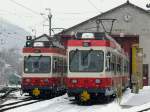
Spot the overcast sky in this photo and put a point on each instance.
(66, 13)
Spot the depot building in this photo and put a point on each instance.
(131, 26)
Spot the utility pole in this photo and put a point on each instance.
(49, 18)
(34, 31)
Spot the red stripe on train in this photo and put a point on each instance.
(44, 50)
(88, 82)
(95, 82)
(92, 43)
(36, 81)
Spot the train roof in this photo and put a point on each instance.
(91, 36)
(87, 35)
(99, 38)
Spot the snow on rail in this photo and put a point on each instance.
(130, 103)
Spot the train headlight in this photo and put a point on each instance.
(27, 80)
(41, 80)
(74, 81)
(28, 43)
(97, 81)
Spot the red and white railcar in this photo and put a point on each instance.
(97, 66)
(44, 68)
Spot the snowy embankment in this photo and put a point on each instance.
(137, 102)
(130, 103)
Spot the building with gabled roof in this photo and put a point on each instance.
(132, 25)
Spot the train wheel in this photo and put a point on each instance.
(77, 98)
(106, 99)
(53, 93)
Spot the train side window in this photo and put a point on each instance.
(125, 66)
(113, 63)
(119, 65)
(64, 65)
(60, 66)
(56, 64)
(108, 58)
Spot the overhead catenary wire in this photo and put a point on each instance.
(10, 35)
(29, 9)
(39, 23)
(74, 12)
(94, 6)
(5, 12)
(39, 14)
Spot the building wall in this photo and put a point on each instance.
(130, 20)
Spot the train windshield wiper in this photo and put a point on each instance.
(28, 56)
(40, 57)
(87, 54)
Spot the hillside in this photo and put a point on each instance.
(11, 35)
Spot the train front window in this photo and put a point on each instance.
(86, 60)
(37, 64)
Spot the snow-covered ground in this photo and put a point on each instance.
(130, 103)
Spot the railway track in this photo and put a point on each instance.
(6, 91)
(22, 100)
(20, 103)
(145, 110)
